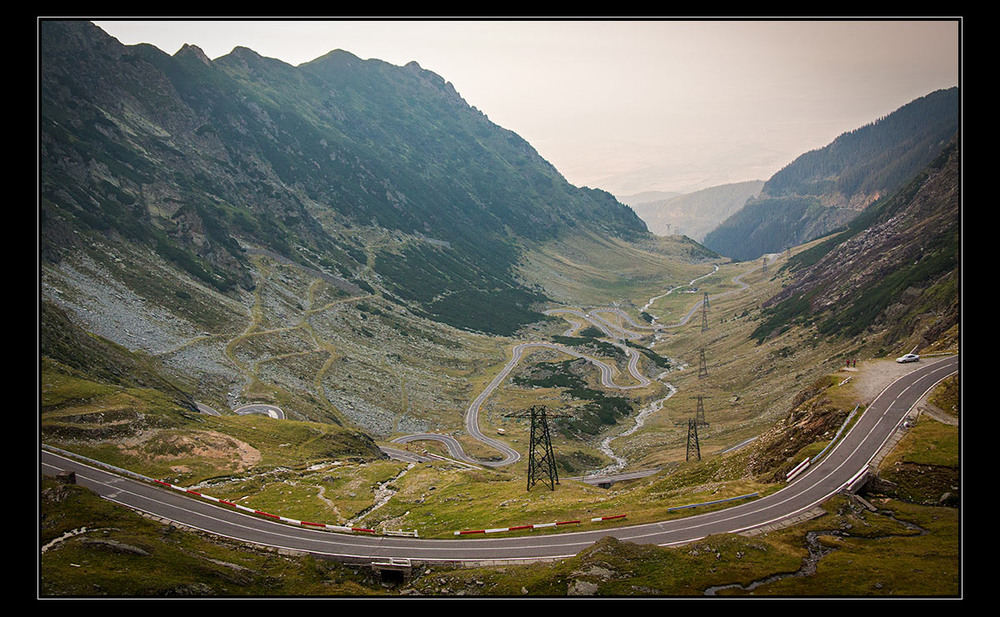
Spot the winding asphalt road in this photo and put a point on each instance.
(841, 468)
(613, 331)
(510, 455)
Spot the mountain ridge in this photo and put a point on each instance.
(893, 268)
(197, 158)
(824, 189)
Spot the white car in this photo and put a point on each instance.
(910, 357)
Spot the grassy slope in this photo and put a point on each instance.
(594, 271)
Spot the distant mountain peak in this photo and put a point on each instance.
(335, 59)
(195, 51)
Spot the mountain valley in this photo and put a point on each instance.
(353, 246)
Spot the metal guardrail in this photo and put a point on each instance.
(809, 461)
(712, 503)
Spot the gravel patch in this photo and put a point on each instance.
(871, 377)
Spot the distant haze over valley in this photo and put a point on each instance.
(693, 214)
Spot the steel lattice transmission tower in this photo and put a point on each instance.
(545, 462)
(699, 412)
(692, 442)
(702, 364)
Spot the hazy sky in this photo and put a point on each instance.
(630, 106)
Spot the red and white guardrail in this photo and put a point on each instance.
(283, 519)
(344, 528)
(536, 526)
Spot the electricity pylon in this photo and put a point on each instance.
(699, 412)
(545, 463)
(692, 441)
(702, 364)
